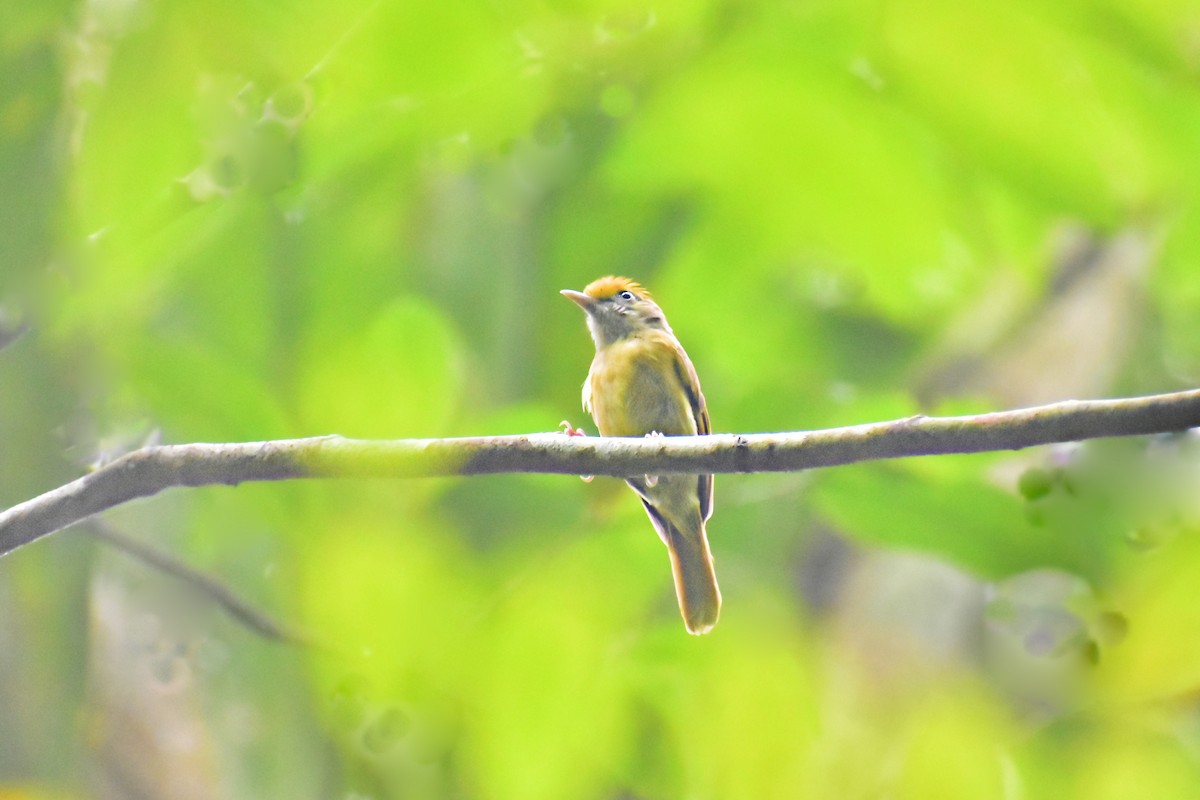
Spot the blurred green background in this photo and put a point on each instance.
(228, 221)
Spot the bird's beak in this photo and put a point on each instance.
(584, 301)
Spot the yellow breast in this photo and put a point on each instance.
(634, 388)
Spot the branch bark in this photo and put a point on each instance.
(150, 470)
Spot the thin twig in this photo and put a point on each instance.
(148, 471)
(11, 331)
(240, 609)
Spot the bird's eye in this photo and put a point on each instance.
(626, 295)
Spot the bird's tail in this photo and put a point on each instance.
(695, 579)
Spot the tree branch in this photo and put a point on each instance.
(148, 471)
(209, 586)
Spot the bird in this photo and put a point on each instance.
(642, 383)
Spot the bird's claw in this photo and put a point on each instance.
(652, 480)
(570, 430)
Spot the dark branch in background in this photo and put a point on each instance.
(150, 470)
(10, 331)
(213, 588)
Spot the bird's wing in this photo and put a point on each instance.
(686, 373)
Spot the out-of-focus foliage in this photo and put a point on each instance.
(236, 221)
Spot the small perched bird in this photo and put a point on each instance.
(642, 383)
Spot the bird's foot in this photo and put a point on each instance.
(652, 480)
(570, 430)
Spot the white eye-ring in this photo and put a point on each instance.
(626, 295)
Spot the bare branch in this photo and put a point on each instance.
(148, 471)
(10, 331)
(209, 586)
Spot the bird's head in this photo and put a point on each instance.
(617, 308)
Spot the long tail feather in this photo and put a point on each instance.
(695, 579)
(692, 567)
